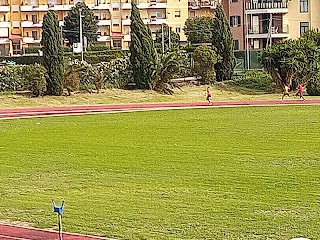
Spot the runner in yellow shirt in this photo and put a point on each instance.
(286, 90)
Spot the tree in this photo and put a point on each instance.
(199, 29)
(222, 40)
(174, 38)
(291, 59)
(143, 54)
(313, 35)
(168, 65)
(52, 53)
(71, 27)
(205, 59)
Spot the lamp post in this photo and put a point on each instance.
(162, 38)
(81, 37)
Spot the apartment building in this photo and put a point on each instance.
(21, 20)
(258, 23)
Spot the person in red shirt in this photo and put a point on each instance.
(300, 91)
(209, 95)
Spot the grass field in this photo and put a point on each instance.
(219, 173)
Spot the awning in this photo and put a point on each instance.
(15, 37)
(116, 35)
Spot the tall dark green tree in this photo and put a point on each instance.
(174, 38)
(52, 54)
(142, 52)
(222, 40)
(72, 24)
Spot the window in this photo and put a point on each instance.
(27, 34)
(116, 22)
(178, 29)
(115, 6)
(234, 0)
(192, 14)
(34, 35)
(235, 21)
(27, 17)
(303, 6)
(304, 27)
(117, 44)
(16, 48)
(34, 19)
(236, 44)
(177, 13)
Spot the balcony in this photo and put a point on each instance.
(197, 4)
(29, 24)
(104, 22)
(276, 32)
(104, 38)
(4, 24)
(267, 6)
(28, 40)
(4, 8)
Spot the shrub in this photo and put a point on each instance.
(35, 76)
(313, 85)
(67, 49)
(72, 79)
(32, 49)
(24, 60)
(12, 79)
(98, 47)
(254, 79)
(23, 77)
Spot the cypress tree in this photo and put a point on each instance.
(222, 40)
(52, 53)
(143, 54)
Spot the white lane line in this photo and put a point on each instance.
(106, 111)
(15, 238)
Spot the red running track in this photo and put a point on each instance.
(10, 232)
(77, 110)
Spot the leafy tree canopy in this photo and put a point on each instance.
(199, 29)
(205, 59)
(71, 27)
(291, 59)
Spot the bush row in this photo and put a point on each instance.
(23, 77)
(254, 79)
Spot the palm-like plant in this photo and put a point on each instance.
(291, 59)
(167, 65)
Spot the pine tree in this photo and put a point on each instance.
(222, 40)
(143, 54)
(72, 24)
(52, 54)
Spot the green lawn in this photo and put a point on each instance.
(219, 173)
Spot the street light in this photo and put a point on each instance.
(81, 37)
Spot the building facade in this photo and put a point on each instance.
(256, 24)
(21, 20)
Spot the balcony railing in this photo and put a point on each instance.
(202, 4)
(266, 4)
(273, 30)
